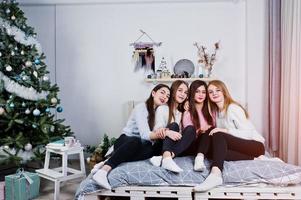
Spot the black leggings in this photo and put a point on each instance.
(128, 149)
(222, 146)
(179, 146)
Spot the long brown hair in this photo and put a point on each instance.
(227, 98)
(192, 108)
(171, 103)
(150, 105)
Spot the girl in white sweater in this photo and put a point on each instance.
(137, 139)
(169, 116)
(234, 138)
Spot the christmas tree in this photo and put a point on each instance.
(28, 101)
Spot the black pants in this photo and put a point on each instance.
(128, 149)
(222, 146)
(179, 146)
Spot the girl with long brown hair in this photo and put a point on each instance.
(137, 139)
(199, 117)
(177, 140)
(234, 138)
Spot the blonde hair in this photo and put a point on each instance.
(227, 97)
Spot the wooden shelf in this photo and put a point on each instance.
(168, 80)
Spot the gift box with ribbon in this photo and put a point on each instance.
(22, 185)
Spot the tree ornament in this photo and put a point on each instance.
(7, 11)
(47, 110)
(45, 78)
(37, 61)
(59, 109)
(2, 111)
(35, 73)
(23, 104)
(28, 63)
(12, 53)
(11, 105)
(24, 78)
(27, 111)
(34, 126)
(0, 54)
(22, 52)
(13, 17)
(28, 147)
(36, 112)
(53, 100)
(8, 68)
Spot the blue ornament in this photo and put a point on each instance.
(59, 109)
(47, 110)
(37, 61)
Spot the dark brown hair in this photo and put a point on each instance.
(171, 103)
(192, 109)
(150, 105)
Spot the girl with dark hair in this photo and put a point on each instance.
(171, 116)
(199, 117)
(137, 139)
(234, 138)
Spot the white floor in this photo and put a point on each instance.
(67, 191)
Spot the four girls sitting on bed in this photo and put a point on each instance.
(214, 126)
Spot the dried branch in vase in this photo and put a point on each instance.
(205, 58)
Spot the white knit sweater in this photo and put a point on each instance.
(237, 124)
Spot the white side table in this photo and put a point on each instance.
(64, 173)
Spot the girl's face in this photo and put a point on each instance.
(181, 93)
(161, 96)
(200, 94)
(215, 94)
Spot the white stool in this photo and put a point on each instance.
(63, 173)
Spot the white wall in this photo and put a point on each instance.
(88, 51)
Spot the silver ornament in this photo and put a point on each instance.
(35, 73)
(12, 53)
(28, 147)
(45, 78)
(2, 111)
(27, 111)
(8, 68)
(28, 63)
(13, 17)
(22, 52)
(36, 112)
(53, 100)
(24, 78)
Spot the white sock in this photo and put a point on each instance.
(169, 164)
(199, 164)
(210, 182)
(156, 160)
(97, 167)
(101, 178)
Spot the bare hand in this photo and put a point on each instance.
(215, 130)
(161, 133)
(186, 105)
(173, 135)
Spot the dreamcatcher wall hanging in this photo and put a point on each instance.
(143, 55)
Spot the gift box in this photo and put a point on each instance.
(2, 190)
(22, 185)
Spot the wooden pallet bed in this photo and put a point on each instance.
(187, 193)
